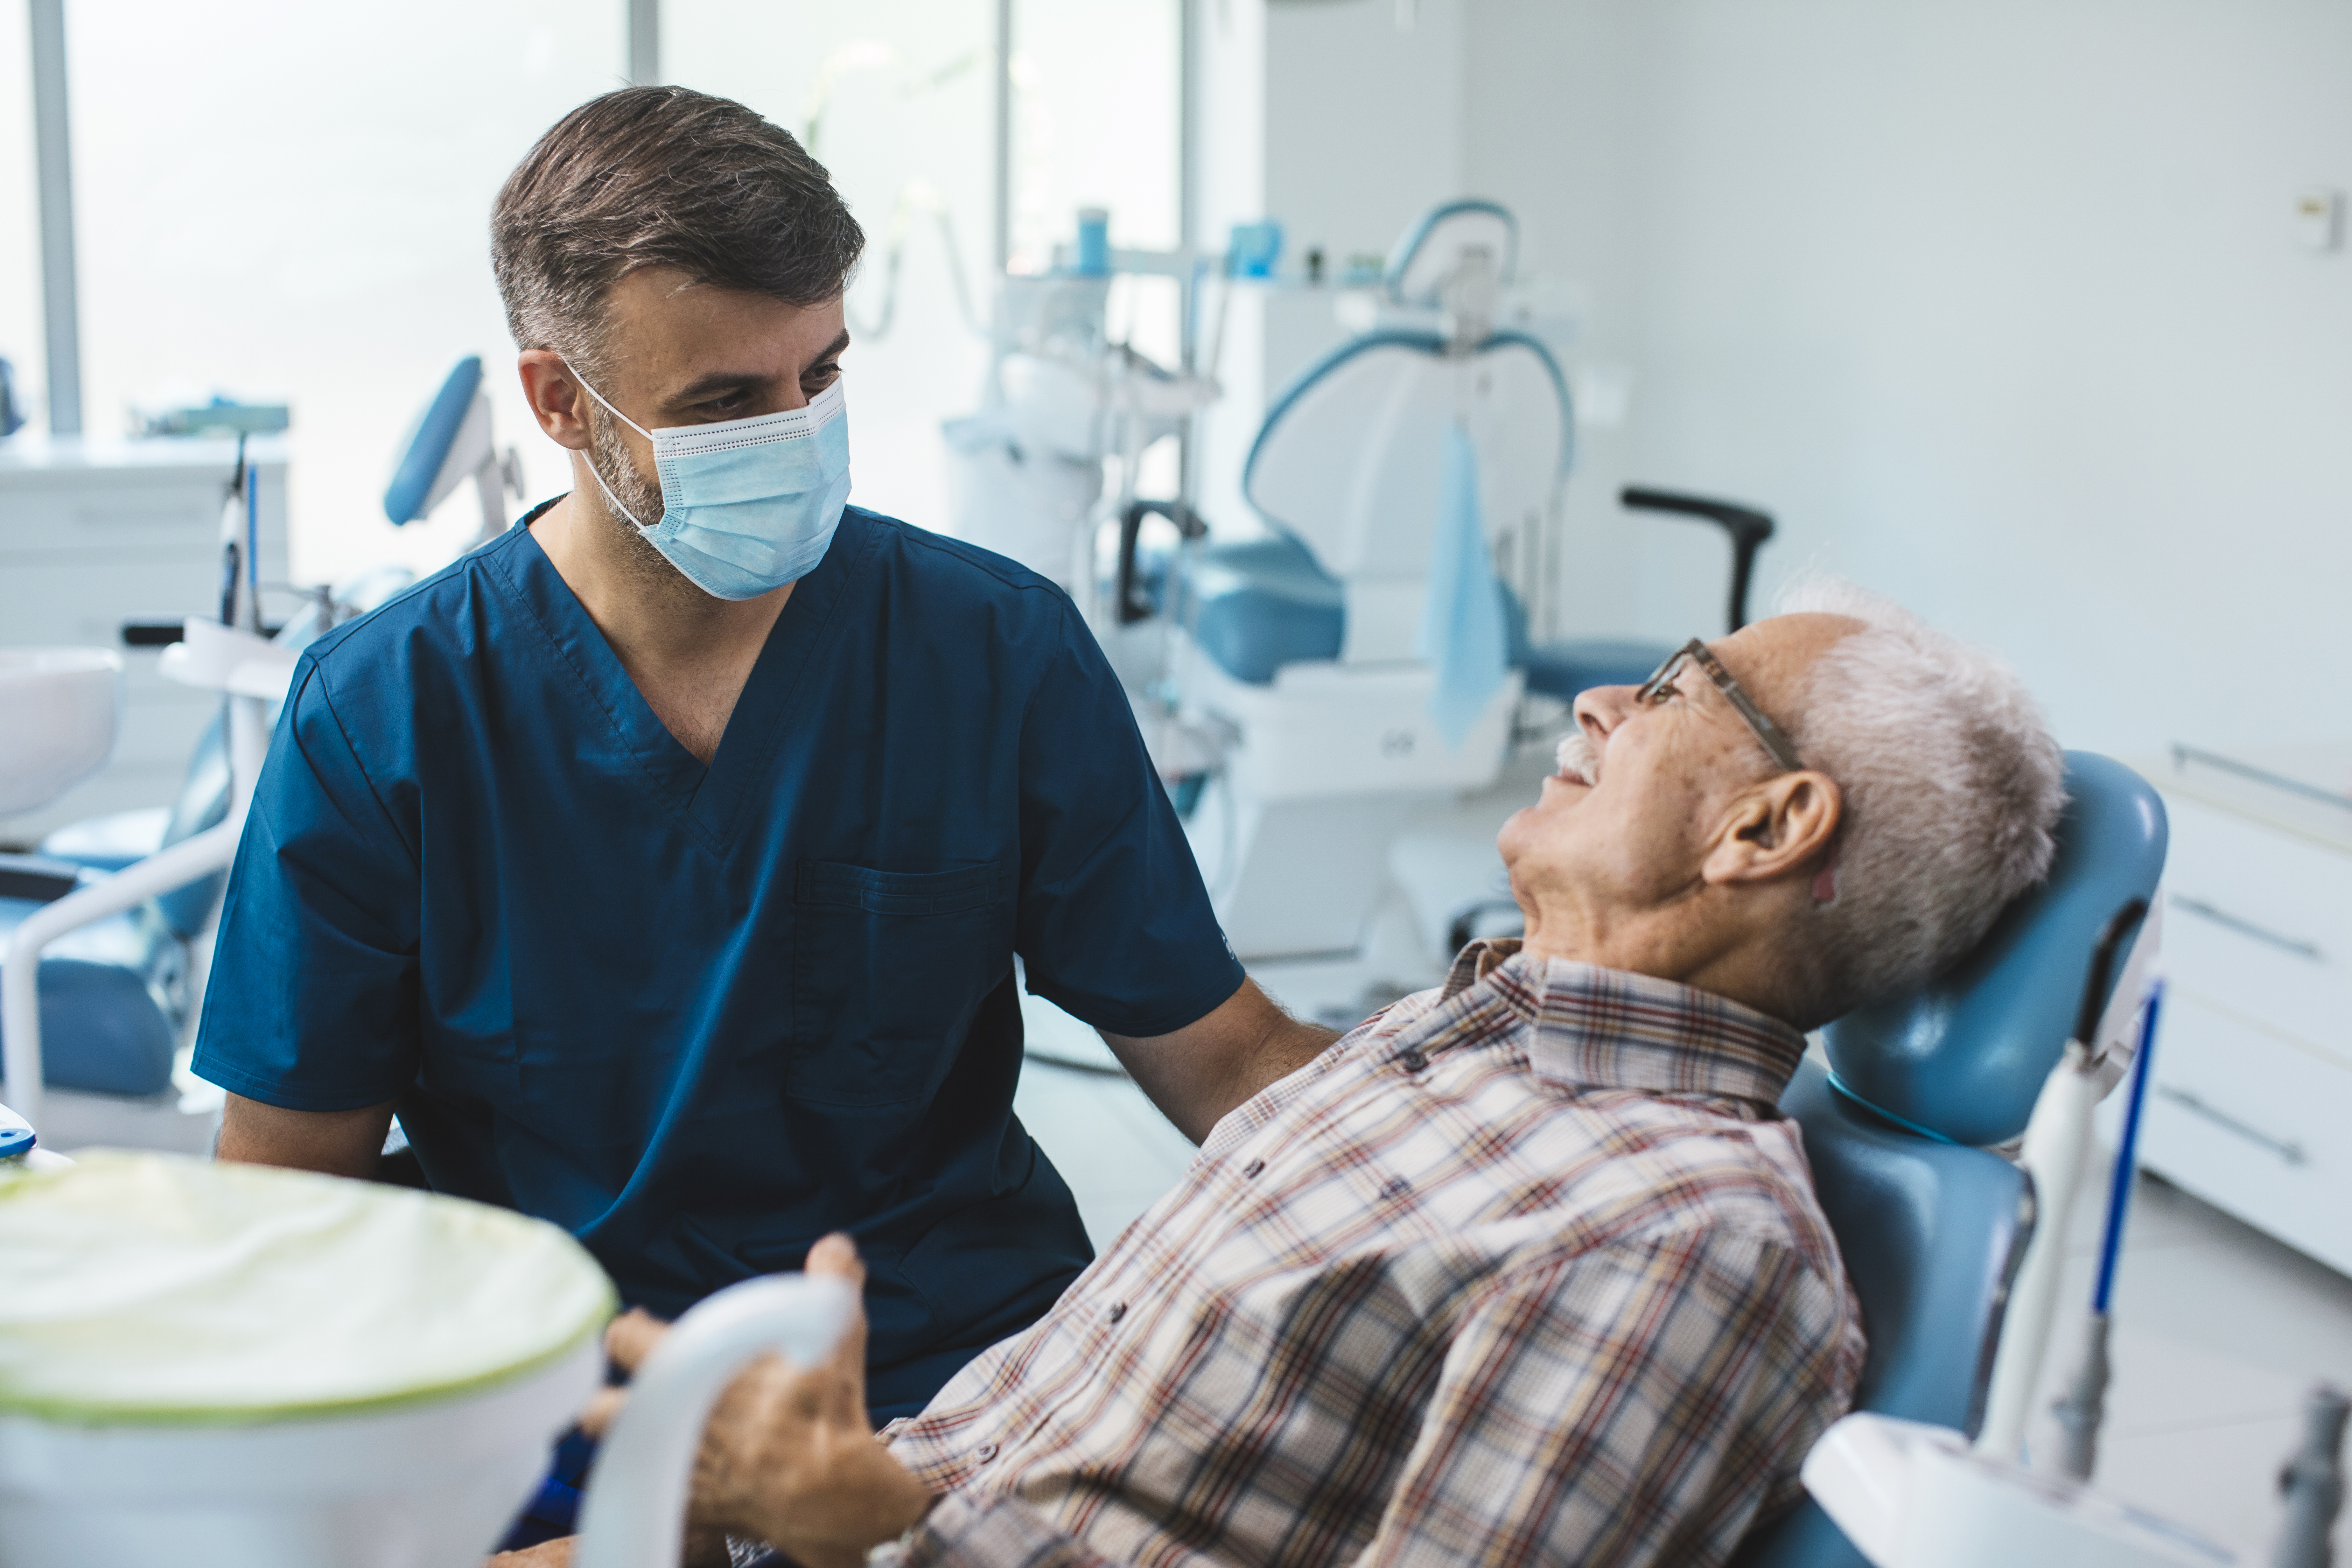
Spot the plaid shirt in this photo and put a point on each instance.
(1526, 1269)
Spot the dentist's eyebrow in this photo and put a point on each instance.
(833, 348)
(714, 382)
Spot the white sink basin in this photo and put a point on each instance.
(59, 710)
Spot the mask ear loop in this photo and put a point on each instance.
(589, 457)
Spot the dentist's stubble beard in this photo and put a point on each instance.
(644, 564)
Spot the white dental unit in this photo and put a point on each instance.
(383, 1372)
(1295, 661)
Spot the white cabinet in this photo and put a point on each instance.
(2250, 1104)
(94, 531)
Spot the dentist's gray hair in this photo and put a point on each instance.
(1952, 785)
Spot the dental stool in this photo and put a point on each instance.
(1931, 1225)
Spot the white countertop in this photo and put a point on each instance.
(30, 452)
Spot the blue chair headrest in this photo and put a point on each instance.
(1414, 268)
(1964, 1055)
(428, 447)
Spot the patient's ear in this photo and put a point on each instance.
(1780, 828)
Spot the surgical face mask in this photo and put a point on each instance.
(748, 505)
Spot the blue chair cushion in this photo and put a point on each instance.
(1965, 1055)
(1561, 669)
(102, 1026)
(1257, 605)
(1928, 1232)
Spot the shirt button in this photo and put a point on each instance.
(1252, 1168)
(1412, 1061)
(985, 1453)
(1118, 1310)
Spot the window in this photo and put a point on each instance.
(277, 196)
(20, 235)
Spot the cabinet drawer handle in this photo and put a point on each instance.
(2228, 921)
(2292, 1153)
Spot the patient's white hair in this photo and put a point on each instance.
(1952, 786)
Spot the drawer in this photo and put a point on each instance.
(2260, 922)
(2253, 1123)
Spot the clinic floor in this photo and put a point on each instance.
(2218, 1329)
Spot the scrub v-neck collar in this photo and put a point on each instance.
(710, 802)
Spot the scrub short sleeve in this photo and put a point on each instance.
(1115, 926)
(312, 1001)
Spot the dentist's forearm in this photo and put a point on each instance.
(337, 1143)
(1201, 1072)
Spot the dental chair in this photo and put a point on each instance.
(1931, 1225)
(1301, 650)
(118, 993)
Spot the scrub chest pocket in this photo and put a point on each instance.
(888, 968)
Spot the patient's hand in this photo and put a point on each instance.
(789, 1455)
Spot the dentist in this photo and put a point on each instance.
(664, 862)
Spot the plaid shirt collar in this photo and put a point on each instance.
(1589, 1027)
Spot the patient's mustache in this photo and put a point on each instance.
(1579, 757)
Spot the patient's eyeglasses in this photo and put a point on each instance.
(1653, 691)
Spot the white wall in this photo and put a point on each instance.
(1328, 116)
(1994, 302)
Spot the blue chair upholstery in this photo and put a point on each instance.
(1561, 669)
(1966, 1055)
(109, 1013)
(1257, 605)
(422, 456)
(1931, 1235)
(1931, 1230)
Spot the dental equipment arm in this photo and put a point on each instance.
(2057, 1141)
(1202, 1071)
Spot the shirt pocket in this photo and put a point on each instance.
(888, 968)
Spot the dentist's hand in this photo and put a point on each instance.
(789, 1455)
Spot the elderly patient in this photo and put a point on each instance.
(1528, 1268)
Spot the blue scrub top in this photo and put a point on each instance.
(701, 1016)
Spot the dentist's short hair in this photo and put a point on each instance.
(1952, 784)
(662, 176)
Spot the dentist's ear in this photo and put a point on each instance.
(1783, 828)
(555, 397)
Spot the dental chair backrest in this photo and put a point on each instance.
(1931, 1229)
(1349, 460)
(1421, 263)
(1966, 1055)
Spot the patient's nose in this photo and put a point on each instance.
(1601, 709)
